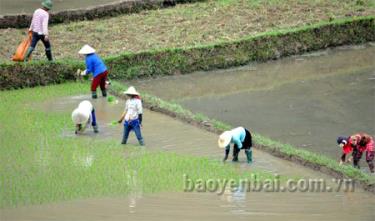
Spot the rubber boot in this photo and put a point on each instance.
(371, 166)
(28, 53)
(141, 142)
(94, 95)
(249, 155)
(104, 93)
(355, 164)
(226, 155)
(235, 154)
(96, 129)
(49, 54)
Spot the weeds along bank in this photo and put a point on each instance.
(107, 10)
(303, 157)
(45, 166)
(266, 46)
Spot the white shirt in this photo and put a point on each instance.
(133, 108)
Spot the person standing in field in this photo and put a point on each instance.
(241, 138)
(39, 29)
(96, 66)
(84, 115)
(132, 115)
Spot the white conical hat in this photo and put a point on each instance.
(85, 106)
(86, 49)
(79, 116)
(224, 139)
(131, 91)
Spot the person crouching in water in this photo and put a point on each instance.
(96, 66)
(347, 148)
(83, 115)
(132, 115)
(362, 142)
(241, 138)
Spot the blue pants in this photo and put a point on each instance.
(34, 41)
(129, 126)
(93, 118)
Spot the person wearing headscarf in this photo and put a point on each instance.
(362, 142)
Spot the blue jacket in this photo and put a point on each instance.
(238, 136)
(95, 65)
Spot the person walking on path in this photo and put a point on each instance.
(39, 29)
(132, 115)
(96, 66)
(241, 138)
(84, 115)
(362, 142)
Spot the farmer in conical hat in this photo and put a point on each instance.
(96, 66)
(39, 28)
(83, 115)
(241, 138)
(132, 115)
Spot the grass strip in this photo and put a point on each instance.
(286, 151)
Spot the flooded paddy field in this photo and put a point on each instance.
(206, 206)
(28, 6)
(305, 100)
(163, 133)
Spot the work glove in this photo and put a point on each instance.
(83, 73)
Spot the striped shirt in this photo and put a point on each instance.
(39, 23)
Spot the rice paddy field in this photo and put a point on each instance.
(186, 25)
(41, 165)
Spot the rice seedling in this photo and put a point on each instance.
(40, 165)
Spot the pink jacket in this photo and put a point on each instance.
(39, 23)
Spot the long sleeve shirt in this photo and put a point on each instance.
(94, 64)
(39, 22)
(238, 136)
(133, 108)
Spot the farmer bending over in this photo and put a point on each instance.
(362, 142)
(347, 148)
(96, 66)
(241, 138)
(39, 27)
(83, 116)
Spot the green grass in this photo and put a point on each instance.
(186, 25)
(286, 149)
(40, 165)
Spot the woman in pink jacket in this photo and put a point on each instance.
(362, 142)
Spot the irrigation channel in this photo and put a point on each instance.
(28, 6)
(186, 139)
(306, 100)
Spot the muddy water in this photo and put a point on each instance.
(304, 100)
(162, 133)
(206, 206)
(28, 6)
(239, 205)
